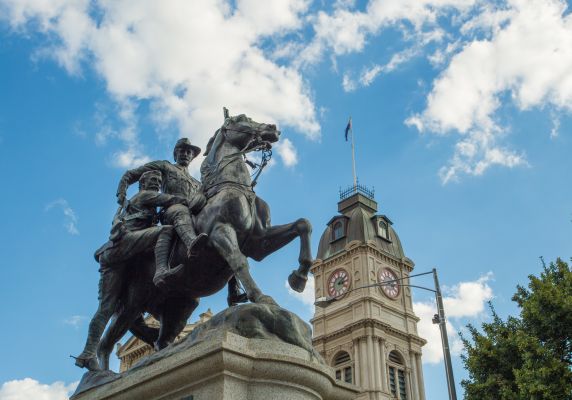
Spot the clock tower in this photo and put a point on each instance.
(369, 335)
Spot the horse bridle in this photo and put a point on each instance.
(262, 145)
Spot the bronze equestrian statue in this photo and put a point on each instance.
(237, 223)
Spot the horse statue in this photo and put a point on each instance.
(238, 224)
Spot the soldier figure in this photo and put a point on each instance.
(137, 234)
(178, 182)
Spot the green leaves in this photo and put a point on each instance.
(526, 357)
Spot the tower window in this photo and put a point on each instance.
(343, 365)
(338, 230)
(396, 369)
(395, 358)
(382, 229)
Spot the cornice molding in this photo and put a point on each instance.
(350, 250)
(369, 323)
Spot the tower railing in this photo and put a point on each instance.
(357, 188)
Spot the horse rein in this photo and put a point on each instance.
(264, 147)
(266, 156)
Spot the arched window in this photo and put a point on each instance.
(396, 368)
(343, 366)
(338, 230)
(382, 229)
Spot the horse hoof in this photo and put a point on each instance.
(265, 299)
(233, 300)
(90, 363)
(297, 282)
(158, 346)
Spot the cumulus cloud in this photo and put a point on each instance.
(129, 158)
(369, 74)
(70, 217)
(184, 59)
(464, 300)
(307, 296)
(346, 30)
(287, 152)
(28, 388)
(524, 57)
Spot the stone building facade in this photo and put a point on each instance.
(134, 349)
(368, 335)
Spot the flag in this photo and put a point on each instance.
(348, 128)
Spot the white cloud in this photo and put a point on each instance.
(307, 297)
(75, 320)
(527, 54)
(129, 158)
(443, 55)
(464, 300)
(186, 59)
(467, 299)
(555, 131)
(345, 31)
(28, 388)
(348, 83)
(70, 218)
(368, 75)
(433, 350)
(287, 152)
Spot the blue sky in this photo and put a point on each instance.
(461, 114)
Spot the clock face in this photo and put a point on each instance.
(338, 283)
(391, 289)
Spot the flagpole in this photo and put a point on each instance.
(353, 156)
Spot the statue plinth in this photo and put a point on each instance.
(229, 367)
(221, 364)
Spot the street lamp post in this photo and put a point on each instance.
(439, 318)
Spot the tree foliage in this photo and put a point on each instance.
(530, 356)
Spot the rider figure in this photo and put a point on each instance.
(138, 235)
(176, 181)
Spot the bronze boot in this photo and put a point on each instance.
(193, 242)
(163, 274)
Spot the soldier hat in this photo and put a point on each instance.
(185, 142)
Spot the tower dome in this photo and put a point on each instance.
(358, 220)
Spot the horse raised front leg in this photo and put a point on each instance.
(270, 239)
(299, 277)
(223, 239)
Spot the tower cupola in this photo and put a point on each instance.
(358, 220)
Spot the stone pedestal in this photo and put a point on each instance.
(228, 367)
